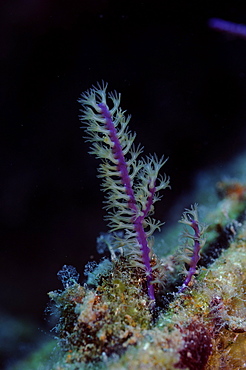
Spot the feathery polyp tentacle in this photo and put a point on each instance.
(131, 184)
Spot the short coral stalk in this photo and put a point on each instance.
(190, 218)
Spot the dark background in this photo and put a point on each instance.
(183, 83)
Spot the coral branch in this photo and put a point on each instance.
(119, 156)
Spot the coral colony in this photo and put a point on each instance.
(138, 310)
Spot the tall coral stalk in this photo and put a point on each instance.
(131, 184)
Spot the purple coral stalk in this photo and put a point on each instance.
(132, 204)
(190, 218)
(131, 184)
